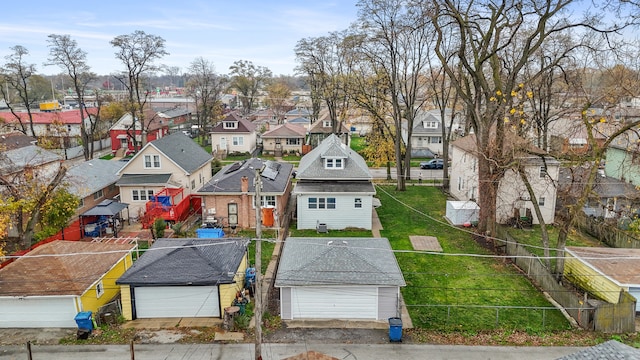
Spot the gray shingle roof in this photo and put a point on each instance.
(315, 187)
(15, 160)
(419, 128)
(338, 261)
(144, 179)
(610, 350)
(182, 150)
(187, 262)
(244, 125)
(227, 180)
(311, 166)
(90, 176)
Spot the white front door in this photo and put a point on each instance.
(176, 301)
(223, 143)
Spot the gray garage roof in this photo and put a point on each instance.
(338, 261)
(90, 176)
(187, 262)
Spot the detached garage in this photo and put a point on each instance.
(338, 278)
(48, 286)
(184, 278)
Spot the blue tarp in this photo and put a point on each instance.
(164, 200)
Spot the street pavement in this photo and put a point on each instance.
(281, 351)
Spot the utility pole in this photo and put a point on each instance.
(258, 265)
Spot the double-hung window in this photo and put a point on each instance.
(152, 161)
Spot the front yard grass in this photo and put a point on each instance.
(466, 290)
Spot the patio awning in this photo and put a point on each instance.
(106, 208)
(121, 136)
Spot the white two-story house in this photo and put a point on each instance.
(513, 198)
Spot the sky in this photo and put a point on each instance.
(264, 32)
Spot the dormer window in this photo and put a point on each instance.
(333, 163)
(230, 124)
(430, 124)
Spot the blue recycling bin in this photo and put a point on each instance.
(84, 321)
(395, 329)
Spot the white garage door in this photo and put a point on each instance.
(349, 302)
(37, 312)
(176, 301)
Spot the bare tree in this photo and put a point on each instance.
(398, 38)
(64, 52)
(248, 79)
(16, 74)
(278, 96)
(206, 87)
(138, 51)
(495, 42)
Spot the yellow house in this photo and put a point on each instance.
(604, 272)
(189, 277)
(48, 286)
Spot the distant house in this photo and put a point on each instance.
(49, 287)
(176, 117)
(609, 198)
(426, 138)
(284, 139)
(63, 126)
(174, 161)
(229, 197)
(334, 188)
(302, 121)
(322, 128)
(604, 272)
(338, 278)
(23, 160)
(126, 129)
(623, 162)
(512, 198)
(233, 134)
(296, 113)
(184, 278)
(93, 181)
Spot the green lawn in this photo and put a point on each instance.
(268, 244)
(465, 290)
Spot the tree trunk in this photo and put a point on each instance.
(487, 196)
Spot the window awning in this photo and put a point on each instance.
(121, 136)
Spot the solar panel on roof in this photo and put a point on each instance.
(269, 173)
(234, 167)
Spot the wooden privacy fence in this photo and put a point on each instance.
(590, 314)
(607, 233)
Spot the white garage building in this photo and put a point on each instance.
(338, 278)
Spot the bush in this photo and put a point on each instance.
(158, 227)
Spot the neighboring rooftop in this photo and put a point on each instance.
(90, 176)
(275, 177)
(183, 151)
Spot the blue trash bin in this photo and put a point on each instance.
(395, 329)
(84, 321)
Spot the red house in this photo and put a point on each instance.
(123, 130)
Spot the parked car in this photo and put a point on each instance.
(432, 164)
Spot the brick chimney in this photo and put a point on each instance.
(244, 184)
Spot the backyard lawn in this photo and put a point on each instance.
(464, 288)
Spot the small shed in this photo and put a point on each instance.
(461, 212)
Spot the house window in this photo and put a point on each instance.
(81, 203)
(313, 203)
(99, 289)
(326, 123)
(543, 172)
(293, 141)
(98, 194)
(267, 201)
(357, 203)
(230, 125)
(430, 124)
(69, 128)
(123, 143)
(193, 184)
(435, 139)
(541, 201)
(460, 184)
(333, 163)
(141, 195)
(322, 203)
(152, 161)
(238, 140)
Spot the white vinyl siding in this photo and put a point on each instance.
(344, 215)
(176, 301)
(337, 302)
(40, 312)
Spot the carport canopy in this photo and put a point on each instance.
(107, 207)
